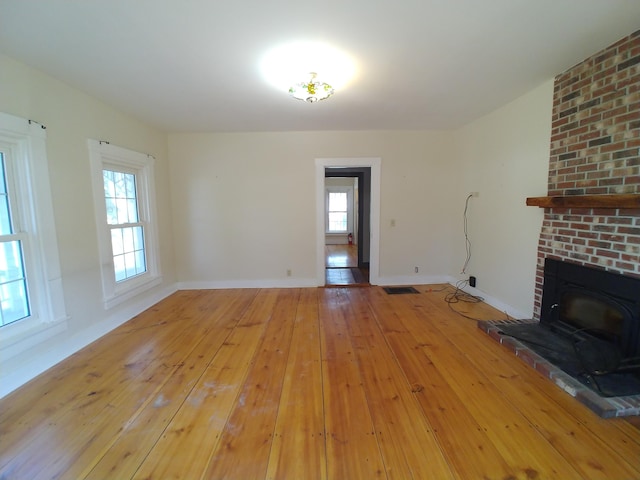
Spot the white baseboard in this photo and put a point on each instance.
(510, 311)
(434, 279)
(265, 283)
(18, 375)
(413, 280)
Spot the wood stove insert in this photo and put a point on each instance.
(589, 327)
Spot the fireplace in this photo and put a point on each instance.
(603, 304)
(589, 327)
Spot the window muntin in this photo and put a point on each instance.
(127, 233)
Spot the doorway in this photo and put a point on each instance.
(366, 237)
(347, 209)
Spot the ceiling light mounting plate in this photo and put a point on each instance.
(312, 90)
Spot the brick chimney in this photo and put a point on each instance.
(595, 145)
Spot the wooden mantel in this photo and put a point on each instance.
(631, 200)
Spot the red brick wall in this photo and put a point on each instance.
(595, 145)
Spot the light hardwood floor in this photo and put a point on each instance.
(332, 383)
(340, 256)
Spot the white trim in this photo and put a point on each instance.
(25, 143)
(512, 312)
(413, 280)
(266, 283)
(103, 155)
(436, 279)
(374, 251)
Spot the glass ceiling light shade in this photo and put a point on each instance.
(312, 90)
(287, 67)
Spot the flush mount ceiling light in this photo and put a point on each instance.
(311, 90)
(309, 71)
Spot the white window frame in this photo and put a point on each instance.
(349, 192)
(24, 144)
(104, 156)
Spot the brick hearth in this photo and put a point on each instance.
(606, 407)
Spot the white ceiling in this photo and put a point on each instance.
(194, 65)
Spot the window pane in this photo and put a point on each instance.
(138, 239)
(118, 266)
(5, 214)
(10, 261)
(141, 264)
(130, 181)
(14, 302)
(127, 240)
(112, 211)
(122, 210)
(116, 241)
(128, 252)
(130, 264)
(338, 221)
(109, 187)
(121, 186)
(132, 210)
(337, 202)
(120, 197)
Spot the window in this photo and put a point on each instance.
(14, 300)
(339, 208)
(31, 296)
(127, 232)
(337, 211)
(125, 212)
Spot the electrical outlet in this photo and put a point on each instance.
(416, 269)
(393, 222)
(475, 194)
(472, 281)
(288, 273)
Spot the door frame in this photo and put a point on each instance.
(374, 253)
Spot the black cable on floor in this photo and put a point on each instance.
(460, 296)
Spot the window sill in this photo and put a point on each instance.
(26, 334)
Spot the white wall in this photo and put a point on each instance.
(244, 204)
(505, 157)
(71, 117)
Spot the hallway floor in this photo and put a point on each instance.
(341, 262)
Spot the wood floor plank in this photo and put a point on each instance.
(502, 422)
(352, 446)
(536, 398)
(184, 449)
(298, 448)
(99, 392)
(244, 446)
(123, 455)
(86, 428)
(408, 445)
(69, 384)
(465, 443)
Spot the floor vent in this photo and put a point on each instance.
(399, 290)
